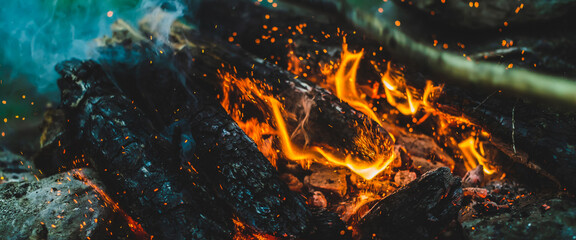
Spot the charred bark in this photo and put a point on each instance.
(241, 176)
(420, 210)
(135, 161)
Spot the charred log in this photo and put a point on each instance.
(241, 176)
(136, 161)
(420, 210)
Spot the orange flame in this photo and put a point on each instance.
(366, 169)
(406, 99)
(256, 130)
(136, 228)
(380, 158)
(393, 83)
(397, 93)
(244, 232)
(344, 82)
(472, 156)
(294, 64)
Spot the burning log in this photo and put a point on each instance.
(322, 117)
(135, 161)
(420, 210)
(237, 171)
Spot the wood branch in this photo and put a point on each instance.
(493, 14)
(420, 210)
(241, 176)
(445, 65)
(135, 161)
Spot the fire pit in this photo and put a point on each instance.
(304, 120)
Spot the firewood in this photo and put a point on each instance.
(241, 176)
(135, 161)
(420, 210)
(330, 122)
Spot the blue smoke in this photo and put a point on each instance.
(37, 34)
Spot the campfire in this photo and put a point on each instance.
(249, 121)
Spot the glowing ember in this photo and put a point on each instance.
(134, 226)
(244, 232)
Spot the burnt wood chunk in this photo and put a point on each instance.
(237, 171)
(420, 210)
(136, 163)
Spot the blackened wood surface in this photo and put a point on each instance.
(237, 170)
(420, 210)
(136, 163)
